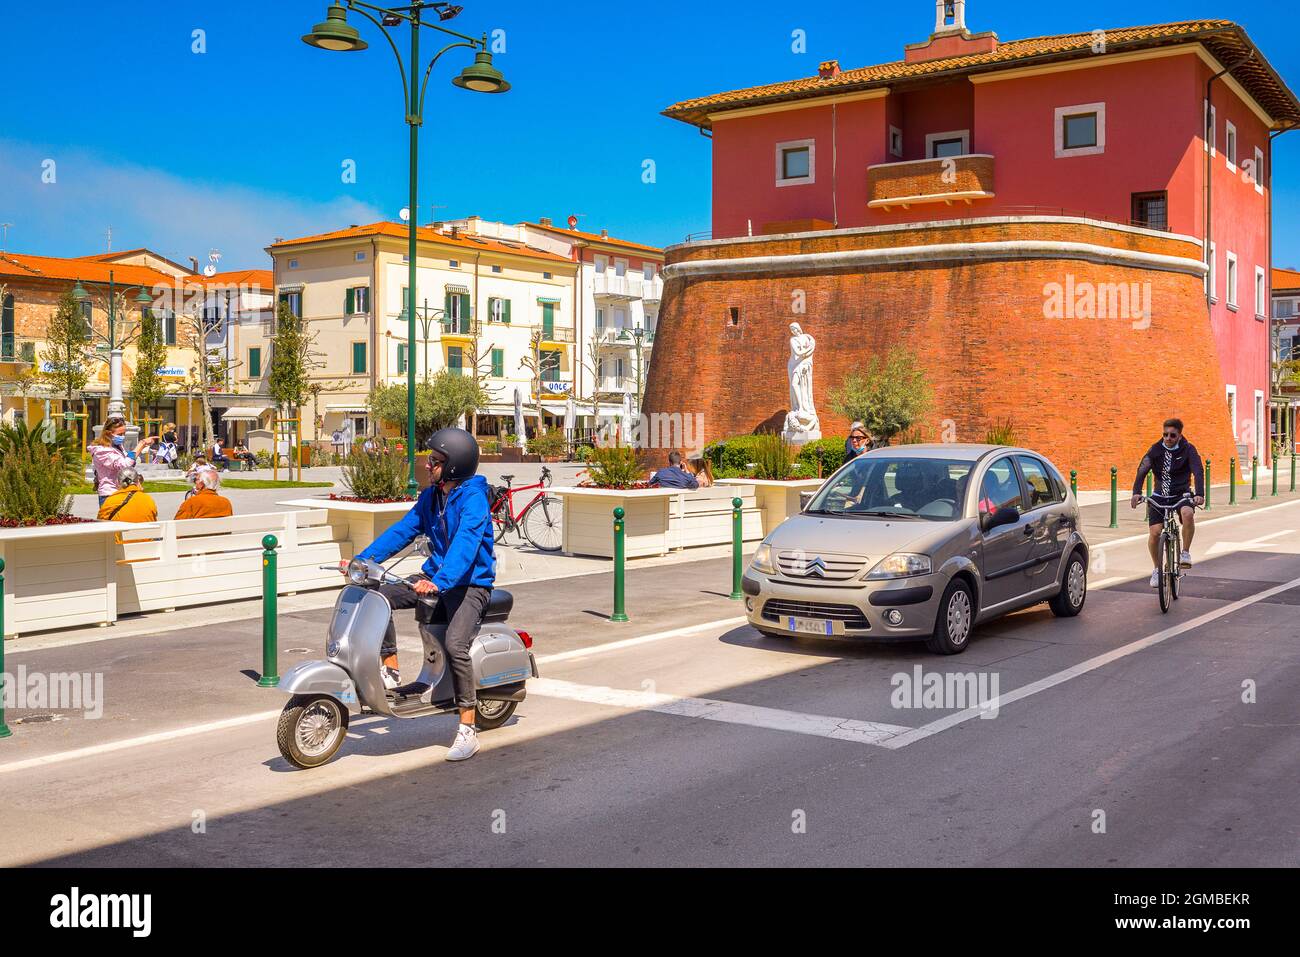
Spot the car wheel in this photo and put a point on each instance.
(956, 620)
(1068, 602)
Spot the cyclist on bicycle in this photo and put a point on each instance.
(1175, 465)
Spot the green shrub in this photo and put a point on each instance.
(35, 475)
(584, 453)
(378, 477)
(1001, 433)
(551, 444)
(830, 451)
(614, 467)
(732, 457)
(510, 441)
(489, 446)
(263, 457)
(773, 456)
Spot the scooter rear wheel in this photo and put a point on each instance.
(491, 715)
(311, 729)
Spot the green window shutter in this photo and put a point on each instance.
(350, 302)
(255, 363)
(170, 327)
(464, 313)
(358, 358)
(505, 312)
(548, 320)
(406, 300)
(447, 312)
(454, 360)
(498, 363)
(401, 357)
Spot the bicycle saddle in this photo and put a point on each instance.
(507, 479)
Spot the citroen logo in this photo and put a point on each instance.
(815, 567)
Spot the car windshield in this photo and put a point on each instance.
(899, 486)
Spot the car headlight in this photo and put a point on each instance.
(900, 565)
(762, 560)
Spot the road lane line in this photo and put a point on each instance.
(1092, 664)
(157, 738)
(642, 640)
(729, 712)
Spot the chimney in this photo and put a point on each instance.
(194, 264)
(544, 221)
(828, 69)
(604, 234)
(472, 225)
(455, 232)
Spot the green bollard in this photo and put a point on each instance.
(1208, 485)
(737, 535)
(1254, 477)
(270, 617)
(1274, 495)
(1232, 480)
(1293, 471)
(620, 609)
(4, 728)
(1114, 497)
(1074, 482)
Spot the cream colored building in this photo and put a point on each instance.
(477, 296)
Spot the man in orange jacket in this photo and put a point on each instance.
(130, 503)
(205, 502)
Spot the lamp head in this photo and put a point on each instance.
(481, 76)
(335, 33)
(79, 292)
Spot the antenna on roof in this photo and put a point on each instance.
(109, 234)
(4, 243)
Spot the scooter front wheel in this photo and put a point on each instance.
(311, 729)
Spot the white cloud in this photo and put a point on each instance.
(149, 207)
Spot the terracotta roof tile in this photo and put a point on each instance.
(424, 235)
(1224, 39)
(15, 267)
(594, 237)
(1287, 280)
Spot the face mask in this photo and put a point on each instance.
(119, 439)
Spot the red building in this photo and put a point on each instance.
(1062, 198)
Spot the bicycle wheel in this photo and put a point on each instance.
(541, 524)
(1166, 577)
(1176, 570)
(501, 521)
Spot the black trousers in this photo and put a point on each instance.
(462, 609)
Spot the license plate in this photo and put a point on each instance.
(810, 626)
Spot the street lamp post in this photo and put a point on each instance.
(116, 404)
(639, 335)
(335, 33)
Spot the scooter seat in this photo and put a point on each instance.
(499, 606)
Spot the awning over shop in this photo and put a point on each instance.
(545, 299)
(244, 415)
(356, 408)
(458, 290)
(502, 408)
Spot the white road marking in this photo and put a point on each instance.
(1092, 664)
(1200, 523)
(642, 640)
(730, 712)
(1219, 548)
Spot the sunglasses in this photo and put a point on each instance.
(1172, 435)
(857, 438)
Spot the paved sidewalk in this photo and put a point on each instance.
(1096, 517)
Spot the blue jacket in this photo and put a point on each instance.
(461, 542)
(674, 477)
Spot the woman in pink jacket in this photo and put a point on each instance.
(107, 457)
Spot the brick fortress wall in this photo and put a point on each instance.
(1087, 392)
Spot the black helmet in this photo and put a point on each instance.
(461, 450)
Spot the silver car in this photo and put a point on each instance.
(922, 542)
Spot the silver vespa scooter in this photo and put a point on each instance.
(314, 723)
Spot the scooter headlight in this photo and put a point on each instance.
(332, 650)
(358, 572)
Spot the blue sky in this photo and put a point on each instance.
(228, 149)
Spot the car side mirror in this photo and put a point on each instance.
(1007, 515)
(805, 499)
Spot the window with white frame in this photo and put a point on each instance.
(648, 271)
(602, 263)
(1259, 170)
(620, 268)
(1080, 130)
(361, 257)
(796, 163)
(944, 145)
(1232, 409)
(1211, 141)
(1230, 145)
(1212, 277)
(896, 142)
(1230, 293)
(600, 320)
(1261, 293)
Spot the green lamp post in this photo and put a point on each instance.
(116, 404)
(335, 33)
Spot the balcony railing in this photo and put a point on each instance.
(607, 285)
(558, 334)
(954, 179)
(623, 336)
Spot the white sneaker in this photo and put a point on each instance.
(392, 678)
(1185, 559)
(465, 745)
(1155, 578)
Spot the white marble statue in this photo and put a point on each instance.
(801, 424)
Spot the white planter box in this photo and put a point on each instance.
(59, 576)
(365, 521)
(656, 521)
(776, 500)
(207, 560)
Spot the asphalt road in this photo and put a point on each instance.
(1121, 739)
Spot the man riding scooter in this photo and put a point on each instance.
(453, 514)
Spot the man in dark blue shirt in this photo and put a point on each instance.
(1175, 466)
(674, 476)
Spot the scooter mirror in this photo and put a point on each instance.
(423, 547)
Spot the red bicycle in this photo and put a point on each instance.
(538, 520)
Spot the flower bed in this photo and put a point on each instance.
(369, 501)
(58, 520)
